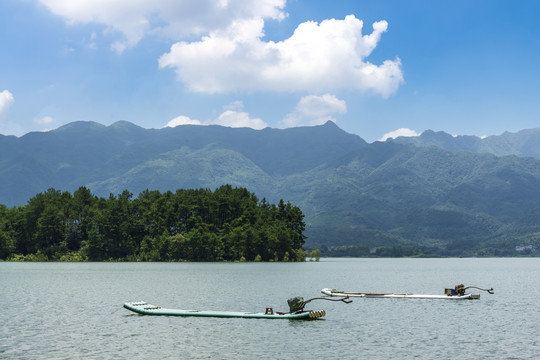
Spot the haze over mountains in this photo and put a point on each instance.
(448, 195)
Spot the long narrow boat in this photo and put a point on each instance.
(144, 308)
(333, 292)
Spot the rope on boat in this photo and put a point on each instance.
(476, 287)
(344, 299)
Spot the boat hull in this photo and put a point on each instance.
(144, 308)
(333, 292)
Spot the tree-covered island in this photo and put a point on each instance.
(228, 224)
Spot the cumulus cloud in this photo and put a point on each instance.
(233, 116)
(6, 99)
(399, 132)
(182, 120)
(172, 18)
(237, 119)
(315, 110)
(230, 54)
(317, 57)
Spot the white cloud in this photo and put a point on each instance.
(6, 99)
(230, 54)
(238, 119)
(317, 57)
(182, 120)
(172, 18)
(315, 110)
(231, 117)
(399, 132)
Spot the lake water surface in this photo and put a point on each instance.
(74, 310)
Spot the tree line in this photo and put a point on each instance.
(228, 224)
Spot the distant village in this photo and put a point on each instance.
(529, 248)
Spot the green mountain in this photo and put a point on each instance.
(384, 194)
(83, 153)
(523, 143)
(428, 197)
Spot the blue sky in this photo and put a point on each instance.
(373, 67)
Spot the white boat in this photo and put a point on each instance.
(450, 294)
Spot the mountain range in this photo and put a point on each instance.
(446, 195)
(523, 143)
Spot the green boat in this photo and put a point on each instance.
(296, 310)
(144, 308)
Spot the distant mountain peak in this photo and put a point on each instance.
(123, 124)
(79, 126)
(330, 123)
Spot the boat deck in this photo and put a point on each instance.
(333, 292)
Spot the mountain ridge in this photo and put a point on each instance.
(523, 143)
(393, 193)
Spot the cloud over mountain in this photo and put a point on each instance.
(399, 132)
(232, 116)
(182, 120)
(315, 110)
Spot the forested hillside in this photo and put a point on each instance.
(380, 198)
(428, 199)
(228, 224)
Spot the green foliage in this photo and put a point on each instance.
(315, 255)
(451, 203)
(73, 257)
(38, 256)
(228, 224)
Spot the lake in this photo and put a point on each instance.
(74, 310)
